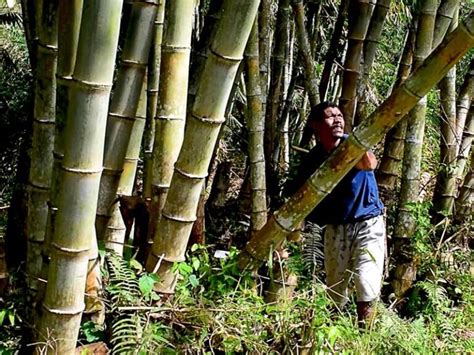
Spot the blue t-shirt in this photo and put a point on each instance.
(354, 199)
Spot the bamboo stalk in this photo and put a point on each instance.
(153, 80)
(359, 19)
(256, 125)
(466, 93)
(123, 107)
(171, 111)
(82, 164)
(371, 43)
(444, 17)
(115, 234)
(41, 153)
(266, 23)
(465, 200)
(445, 189)
(389, 170)
(69, 13)
(363, 138)
(305, 51)
(204, 120)
(466, 146)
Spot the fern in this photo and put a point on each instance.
(313, 247)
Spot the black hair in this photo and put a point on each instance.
(317, 111)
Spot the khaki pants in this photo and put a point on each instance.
(355, 251)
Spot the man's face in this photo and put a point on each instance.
(332, 124)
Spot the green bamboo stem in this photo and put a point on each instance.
(367, 134)
(264, 47)
(256, 125)
(371, 43)
(276, 92)
(123, 107)
(69, 14)
(445, 189)
(333, 49)
(115, 234)
(204, 120)
(153, 80)
(466, 94)
(465, 200)
(41, 154)
(82, 165)
(444, 17)
(405, 223)
(305, 51)
(466, 146)
(388, 172)
(171, 111)
(359, 19)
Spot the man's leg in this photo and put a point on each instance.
(337, 259)
(369, 253)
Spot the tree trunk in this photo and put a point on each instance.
(256, 125)
(405, 224)
(153, 80)
(351, 150)
(82, 165)
(359, 19)
(43, 137)
(204, 120)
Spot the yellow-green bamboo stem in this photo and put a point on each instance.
(445, 189)
(82, 165)
(405, 223)
(69, 15)
(203, 124)
(367, 134)
(333, 48)
(466, 146)
(123, 107)
(466, 93)
(171, 111)
(359, 19)
(389, 170)
(115, 234)
(276, 92)
(370, 46)
(43, 136)
(465, 200)
(264, 47)
(256, 125)
(153, 80)
(444, 17)
(305, 51)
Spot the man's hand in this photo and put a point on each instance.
(367, 162)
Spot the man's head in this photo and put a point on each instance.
(327, 121)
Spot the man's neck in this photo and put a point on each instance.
(330, 144)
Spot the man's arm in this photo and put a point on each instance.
(367, 162)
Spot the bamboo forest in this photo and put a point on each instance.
(236, 176)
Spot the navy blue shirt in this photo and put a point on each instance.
(354, 199)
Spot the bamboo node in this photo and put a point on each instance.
(174, 49)
(39, 186)
(65, 312)
(169, 118)
(47, 47)
(225, 57)
(410, 91)
(89, 85)
(133, 63)
(280, 224)
(111, 172)
(121, 117)
(216, 121)
(178, 219)
(81, 171)
(189, 175)
(44, 120)
(71, 251)
(358, 142)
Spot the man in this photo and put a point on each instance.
(354, 239)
